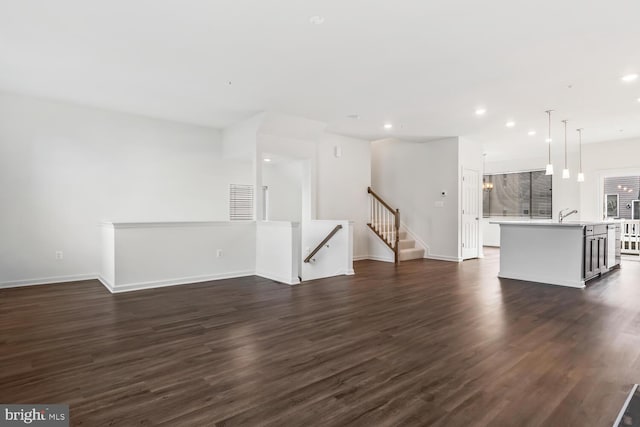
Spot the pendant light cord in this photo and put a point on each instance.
(565, 143)
(549, 134)
(580, 147)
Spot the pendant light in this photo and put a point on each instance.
(580, 174)
(549, 165)
(565, 172)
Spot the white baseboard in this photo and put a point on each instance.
(177, 281)
(443, 258)
(360, 257)
(275, 277)
(106, 283)
(380, 258)
(48, 280)
(542, 279)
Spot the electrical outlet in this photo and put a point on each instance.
(59, 255)
(219, 253)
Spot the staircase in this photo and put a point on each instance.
(385, 223)
(407, 248)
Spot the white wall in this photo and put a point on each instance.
(612, 158)
(239, 139)
(64, 169)
(284, 179)
(283, 147)
(410, 176)
(278, 251)
(333, 188)
(334, 260)
(342, 185)
(149, 255)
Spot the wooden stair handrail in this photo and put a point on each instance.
(324, 242)
(385, 204)
(396, 213)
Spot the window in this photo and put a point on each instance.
(240, 202)
(520, 194)
(620, 196)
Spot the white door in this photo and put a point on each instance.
(470, 214)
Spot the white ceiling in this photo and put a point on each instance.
(422, 65)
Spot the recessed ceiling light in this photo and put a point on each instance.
(480, 111)
(267, 159)
(388, 125)
(629, 78)
(510, 124)
(638, 99)
(316, 20)
(531, 132)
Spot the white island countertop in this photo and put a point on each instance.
(552, 223)
(556, 253)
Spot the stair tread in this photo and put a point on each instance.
(411, 250)
(406, 244)
(411, 253)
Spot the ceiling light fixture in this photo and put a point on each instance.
(480, 111)
(388, 126)
(316, 20)
(580, 173)
(510, 124)
(531, 132)
(629, 78)
(565, 172)
(549, 170)
(267, 159)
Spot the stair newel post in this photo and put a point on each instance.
(397, 235)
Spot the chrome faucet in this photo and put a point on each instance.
(562, 215)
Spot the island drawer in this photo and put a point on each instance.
(588, 230)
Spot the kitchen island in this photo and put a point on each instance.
(565, 254)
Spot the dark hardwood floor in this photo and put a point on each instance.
(425, 343)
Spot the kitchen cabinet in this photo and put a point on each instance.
(600, 243)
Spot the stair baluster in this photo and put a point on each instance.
(385, 222)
